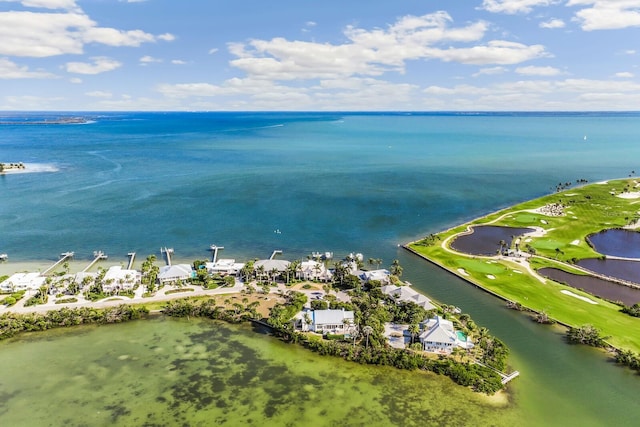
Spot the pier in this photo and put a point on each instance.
(132, 256)
(276, 252)
(505, 377)
(167, 253)
(63, 257)
(214, 252)
(98, 255)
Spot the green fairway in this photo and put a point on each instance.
(563, 223)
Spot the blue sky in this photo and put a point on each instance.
(426, 55)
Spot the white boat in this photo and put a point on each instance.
(4, 257)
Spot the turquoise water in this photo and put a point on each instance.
(329, 182)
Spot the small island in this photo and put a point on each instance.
(12, 167)
(570, 257)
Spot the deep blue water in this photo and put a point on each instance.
(328, 181)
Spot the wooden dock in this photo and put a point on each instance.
(63, 257)
(98, 255)
(167, 254)
(132, 257)
(214, 252)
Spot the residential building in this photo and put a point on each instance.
(325, 321)
(439, 336)
(173, 273)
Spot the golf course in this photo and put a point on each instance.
(513, 253)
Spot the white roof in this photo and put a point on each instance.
(174, 272)
(116, 273)
(324, 317)
(439, 330)
(23, 281)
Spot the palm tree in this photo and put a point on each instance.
(367, 330)
(414, 330)
(396, 269)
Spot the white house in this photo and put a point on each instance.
(173, 273)
(118, 278)
(381, 275)
(407, 294)
(313, 270)
(325, 321)
(224, 267)
(22, 281)
(439, 336)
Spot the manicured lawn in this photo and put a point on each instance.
(588, 210)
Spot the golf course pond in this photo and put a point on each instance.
(616, 242)
(594, 285)
(485, 240)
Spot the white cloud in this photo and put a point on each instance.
(213, 50)
(607, 14)
(553, 23)
(167, 37)
(538, 71)
(375, 52)
(75, 80)
(630, 52)
(514, 6)
(178, 62)
(624, 75)
(100, 64)
(490, 71)
(149, 60)
(10, 70)
(47, 4)
(42, 34)
(30, 102)
(99, 94)
(568, 94)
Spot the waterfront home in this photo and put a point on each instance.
(407, 294)
(382, 275)
(22, 281)
(117, 278)
(174, 273)
(224, 267)
(325, 321)
(313, 270)
(439, 336)
(270, 268)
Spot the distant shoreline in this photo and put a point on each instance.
(19, 168)
(58, 121)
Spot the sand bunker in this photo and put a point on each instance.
(517, 271)
(632, 195)
(463, 272)
(580, 297)
(575, 242)
(491, 276)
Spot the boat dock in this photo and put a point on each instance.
(505, 377)
(276, 252)
(132, 257)
(167, 254)
(98, 255)
(214, 252)
(63, 257)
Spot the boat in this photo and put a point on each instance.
(4, 257)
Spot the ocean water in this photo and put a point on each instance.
(327, 182)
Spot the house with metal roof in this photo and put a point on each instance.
(407, 294)
(22, 281)
(439, 336)
(325, 321)
(173, 273)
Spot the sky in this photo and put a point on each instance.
(320, 55)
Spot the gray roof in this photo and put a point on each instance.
(270, 264)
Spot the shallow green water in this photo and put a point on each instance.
(203, 373)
